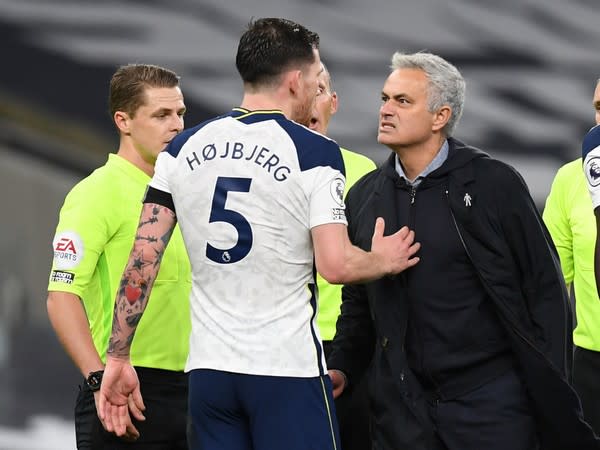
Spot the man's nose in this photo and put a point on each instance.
(178, 123)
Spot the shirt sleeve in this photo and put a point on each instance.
(326, 196)
(556, 219)
(81, 235)
(162, 169)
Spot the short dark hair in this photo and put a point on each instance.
(129, 82)
(271, 46)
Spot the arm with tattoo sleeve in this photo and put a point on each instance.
(120, 380)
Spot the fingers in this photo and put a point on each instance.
(104, 413)
(338, 382)
(414, 248)
(119, 394)
(127, 437)
(398, 250)
(121, 420)
(412, 262)
(338, 391)
(101, 409)
(379, 228)
(116, 419)
(136, 405)
(131, 432)
(405, 234)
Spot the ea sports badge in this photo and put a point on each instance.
(68, 250)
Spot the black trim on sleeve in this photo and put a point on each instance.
(159, 197)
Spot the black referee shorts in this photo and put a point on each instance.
(165, 395)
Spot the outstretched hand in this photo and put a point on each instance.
(397, 250)
(119, 396)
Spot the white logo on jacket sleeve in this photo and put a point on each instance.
(68, 250)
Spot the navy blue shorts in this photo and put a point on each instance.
(232, 411)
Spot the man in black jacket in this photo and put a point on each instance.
(470, 348)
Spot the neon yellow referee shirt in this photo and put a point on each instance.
(93, 239)
(330, 296)
(569, 216)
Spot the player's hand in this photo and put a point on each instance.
(131, 432)
(396, 251)
(338, 381)
(120, 394)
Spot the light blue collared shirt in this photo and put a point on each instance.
(435, 163)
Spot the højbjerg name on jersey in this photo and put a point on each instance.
(260, 155)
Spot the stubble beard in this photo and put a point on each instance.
(303, 112)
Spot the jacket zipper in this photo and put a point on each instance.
(413, 195)
(486, 285)
(411, 220)
(411, 225)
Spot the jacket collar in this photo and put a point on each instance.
(384, 190)
(464, 173)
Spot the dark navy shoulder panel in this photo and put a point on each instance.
(249, 117)
(314, 149)
(590, 141)
(179, 141)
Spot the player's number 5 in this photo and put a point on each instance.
(219, 213)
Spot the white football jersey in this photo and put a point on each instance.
(247, 188)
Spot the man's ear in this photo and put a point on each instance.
(293, 80)
(334, 103)
(122, 121)
(441, 117)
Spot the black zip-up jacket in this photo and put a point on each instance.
(504, 237)
(455, 341)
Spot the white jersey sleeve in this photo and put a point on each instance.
(326, 187)
(160, 180)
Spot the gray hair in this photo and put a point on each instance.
(446, 84)
(326, 70)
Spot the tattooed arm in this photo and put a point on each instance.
(120, 389)
(154, 231)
